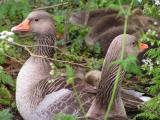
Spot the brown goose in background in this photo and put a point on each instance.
(106, 37)
(109, 71)
(89, 18)
(107, 27)
(38, 96)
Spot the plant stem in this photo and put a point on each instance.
(120, 68)
(79, 101)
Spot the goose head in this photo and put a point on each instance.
(42, 25)
(131, 45)
(39, 22)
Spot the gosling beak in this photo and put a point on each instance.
(143, 46)
(22, 27)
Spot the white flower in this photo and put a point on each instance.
(139, 1)
(2, 37)
(51, 81)
(144, 61)
(10, 33)
(157, 2)
(51, 64)
(150, 67)
(155, 23)
(4, 32)
(158, 62)
(149, 30)
(10, 39)
(147, 61)
(1, 68)
(52, 72)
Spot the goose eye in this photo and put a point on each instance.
(36, 20)
(133, 43)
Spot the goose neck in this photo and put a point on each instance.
(108, 77)
(45, 45)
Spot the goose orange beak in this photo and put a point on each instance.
(22, 27)
(143, 46)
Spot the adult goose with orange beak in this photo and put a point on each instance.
(38, 96)
(109, 74)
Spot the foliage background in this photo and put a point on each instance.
(14, 11)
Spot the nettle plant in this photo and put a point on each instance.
(151, 69)
(151, 65)
(7, 84)
(5, 37)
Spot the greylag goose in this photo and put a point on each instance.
(89, 18)
(109, 71)
(131, 98)
(38, 96)
(105, 28)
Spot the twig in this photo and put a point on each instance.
(52, 6)
(30, 46)
(79, 101)
(14, 59)
(62, 61)
(34, 55)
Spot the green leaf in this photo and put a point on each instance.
(6, 79)
(62, 116)
(2, 58)
(70, 74)
(5, 96)
(146, 116)
(151, 110)
(5, 115)
(129, 65)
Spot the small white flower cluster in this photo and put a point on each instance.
(139, 1)
(152, 32)
(158, 62)
(157, 2)
(151, 36)
(6, 35)
(148, 63)
(1, 68)
(52, 70)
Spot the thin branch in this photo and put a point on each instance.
(56, 60)
(31, 46)
(14, 59)
(52, 6)
(62, 61)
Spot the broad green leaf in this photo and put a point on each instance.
(5, 96)
(6, 79)
(5, 115)
(70, 74)
(62, 116)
